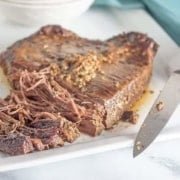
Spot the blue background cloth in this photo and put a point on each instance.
(121, 3)
(166, 12)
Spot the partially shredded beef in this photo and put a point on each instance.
(47, 110)
(62, 84)
(37, 108)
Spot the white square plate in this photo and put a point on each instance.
(101, 24)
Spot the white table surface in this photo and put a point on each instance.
(160, 161)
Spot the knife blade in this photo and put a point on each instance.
(159, 114)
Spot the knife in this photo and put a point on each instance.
(159, 114)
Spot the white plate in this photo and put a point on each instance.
(101, 23)
(43, 13)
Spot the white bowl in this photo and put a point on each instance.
(51, 13)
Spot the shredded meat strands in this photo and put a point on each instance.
(38, 91)
(37, 95)
(40, 98)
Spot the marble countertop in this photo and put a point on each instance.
(160, 161)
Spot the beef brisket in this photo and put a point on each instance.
(116, 71)
(91, 83)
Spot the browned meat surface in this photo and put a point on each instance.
(58, 77)
(130, 116)
(16, 144)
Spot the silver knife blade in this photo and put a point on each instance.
(159, 114)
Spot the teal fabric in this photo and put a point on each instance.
(166, 12)
(126, 4)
